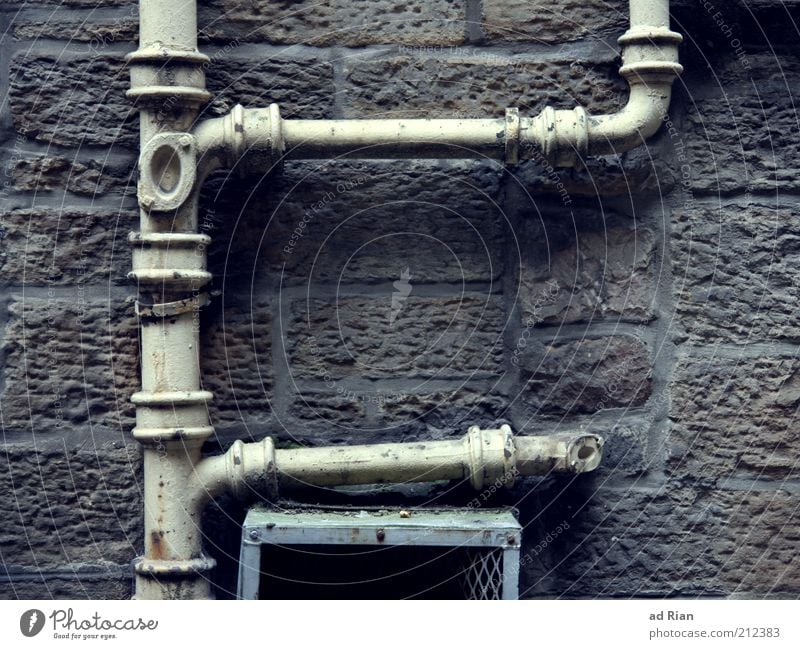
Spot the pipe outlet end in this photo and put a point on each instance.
(584, 453)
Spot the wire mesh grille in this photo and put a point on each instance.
(482, 577)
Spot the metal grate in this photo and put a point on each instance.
(429, 554)
(482, 577)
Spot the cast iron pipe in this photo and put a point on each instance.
(169, 265)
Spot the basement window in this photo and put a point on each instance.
(382, 554)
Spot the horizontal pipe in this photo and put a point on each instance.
(394, 138)
(482, 457)
(375, 464)
(263, 137)
(564, 138)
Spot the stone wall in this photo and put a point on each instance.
(650, 297)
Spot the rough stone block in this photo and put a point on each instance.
(237, 360)
(93, 4)
(396, 335)
(70, 363)
(585, 376)
(735, 267)
(329, 417)
(646, 169)
(76, 506)
(301, 84)
(735, 414)
(105, 583)
(627, 450)
(338, 22)
(90, 177)
(546, 21)
(382, 413)
(601, 542)
(53, 101)
(581, 265)
(347, 223)
(665, 543)
(52, 247)
(432, 414)
(97, 33)
(476, 84)
(742, 136)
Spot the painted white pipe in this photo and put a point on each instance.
(483, 457)
(562, 137)
(179, 484)
(653, 13)
(169, 265)
(364, 138)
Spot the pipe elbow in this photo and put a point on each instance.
(632, 126)
(257, 132)
(650, 66)
(210, 136)
(563, 138)
(218, 142)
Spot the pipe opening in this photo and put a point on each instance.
(165, 169)
(585, 453)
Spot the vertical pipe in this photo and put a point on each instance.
(650, 13)
(167, 81)
(168, 84)
(168, 23)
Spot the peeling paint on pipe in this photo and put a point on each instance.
(169, 266)
(562, 137)
(481, 457)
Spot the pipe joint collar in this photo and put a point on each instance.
(643, 35)
(157, 414)
(561, 137)
(167, 77)
(247, 139)
(251, 467)
(650, 55)
(192, 304)
(172, 261)
(276, 143)
(492, 457)
(166, 568)
(234, 141)
(263, 131)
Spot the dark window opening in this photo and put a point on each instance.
(379, 572)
